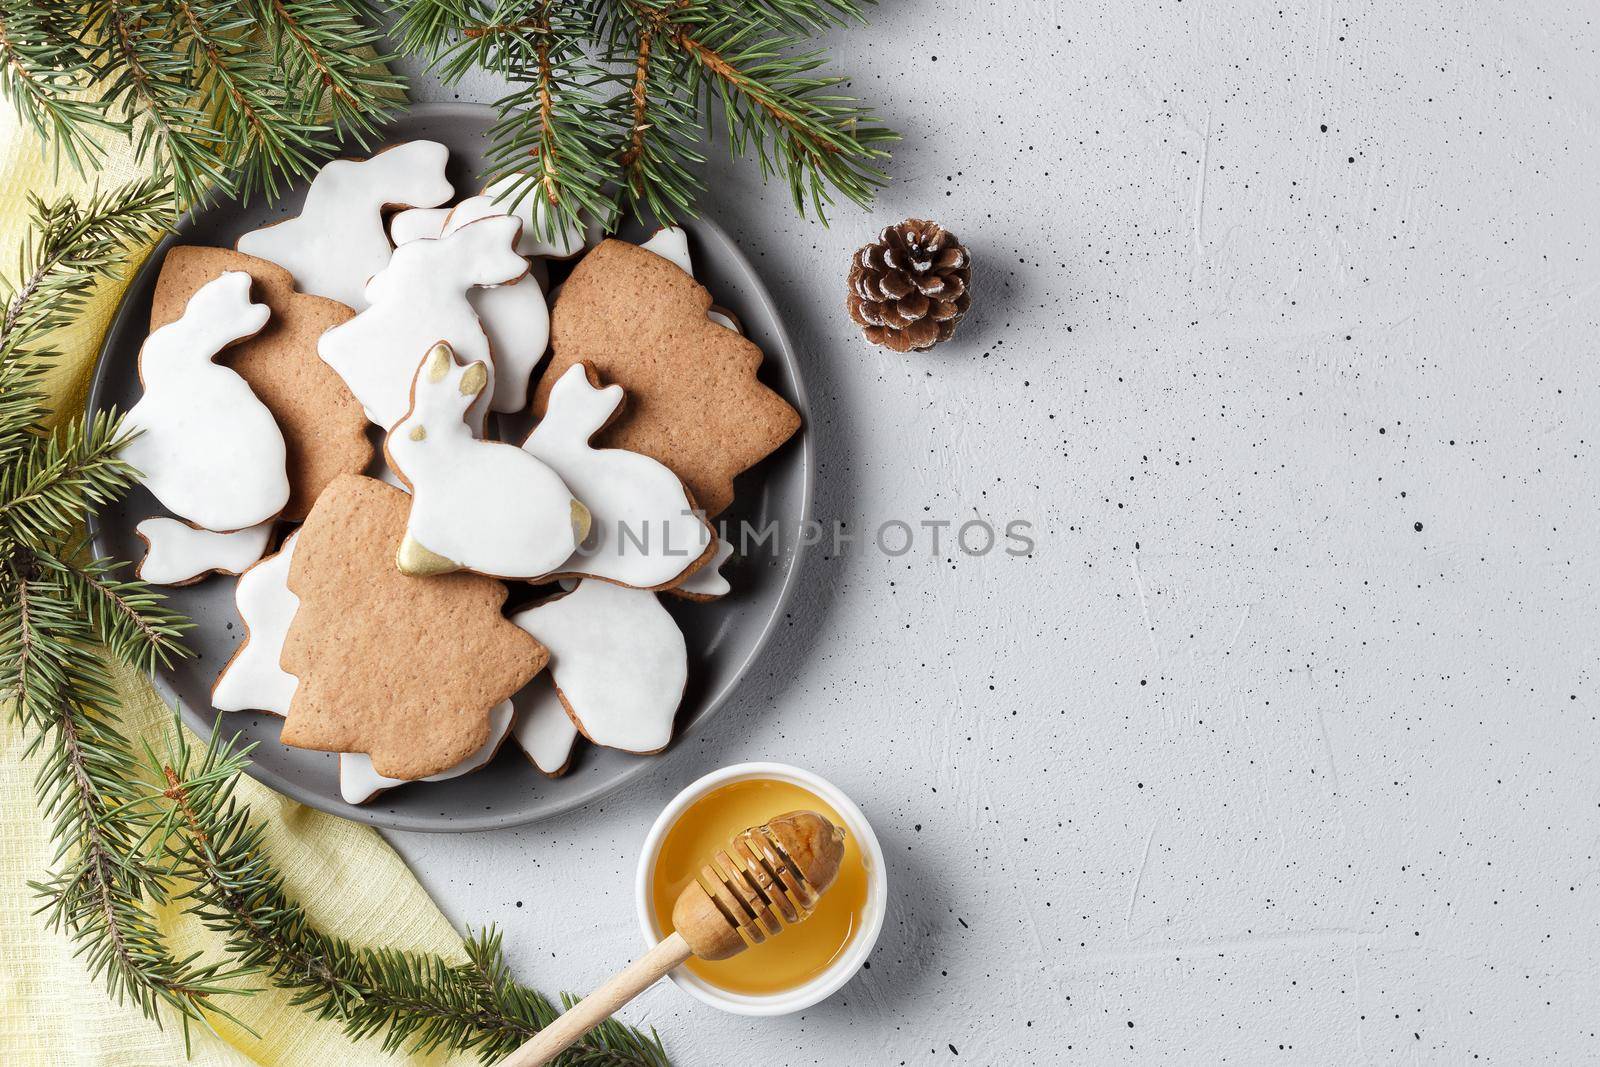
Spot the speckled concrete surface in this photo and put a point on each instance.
(1283, 743)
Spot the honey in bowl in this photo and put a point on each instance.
(795, 956)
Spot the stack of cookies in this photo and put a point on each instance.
(326, 414)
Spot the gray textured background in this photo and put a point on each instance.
(1242, 763)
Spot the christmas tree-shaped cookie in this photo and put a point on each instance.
(404, 669)
(694, 402)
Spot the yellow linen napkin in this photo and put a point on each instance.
(51, 1011)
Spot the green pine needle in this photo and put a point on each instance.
(236, 95)
(612, 98)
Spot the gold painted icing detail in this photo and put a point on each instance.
(581, 520)
(439, 360)
(475, 378)
(419, 561)
(419, 433)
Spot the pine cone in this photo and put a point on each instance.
(910, 287)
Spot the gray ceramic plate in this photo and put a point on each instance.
(724, 637)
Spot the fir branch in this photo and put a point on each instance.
(639, 98)
(555, 135)
(70, 245)
(228, 94)
(41, 70)
(808, 16)
(328, 48)
(128, 618)
(660, 162)
(102, 894)
(45, 491)
(69, 248)
(238, 88)
(54, 614)
(414, 1002)
(674, 64)
(150, 86)
(776, 106)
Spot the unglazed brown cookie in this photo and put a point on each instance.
(324, 428)
(694, 402)
(404, 669)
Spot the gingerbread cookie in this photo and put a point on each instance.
(324, 429)
(476, 505)
(515, 316)
(418, 300)
(338, 241)
(542, 728)
(645, 531)
(204, 443)
(252, 679)
(404, 669)
(707, 583)
(672, 243)
(618, 660)
(694, 401)
(359, 783)
(180, 553)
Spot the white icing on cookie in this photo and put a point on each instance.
(707, 583)
(618, 659)
(670, 242)
(416, 223)
(723, 320)
(514, 316)
(644, 532)
(477, 505)
(517, 320)
(178, 552)
(337, 242)
(542, 726)
(207, 447)
(419, 299)
(253, 680)
(474, 208)
(532, 209)
(359, 783)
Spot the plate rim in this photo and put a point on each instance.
(373, 814)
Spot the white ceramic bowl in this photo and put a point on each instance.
(850, 960)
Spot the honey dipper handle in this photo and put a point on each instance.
(600, 1005)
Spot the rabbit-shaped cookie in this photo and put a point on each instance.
(515, 316)
(337, 241)
(206, 445)
(482, 506)
(618, 660)
(646, 532)
(420, 299)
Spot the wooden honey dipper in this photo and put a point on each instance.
(777, 871)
